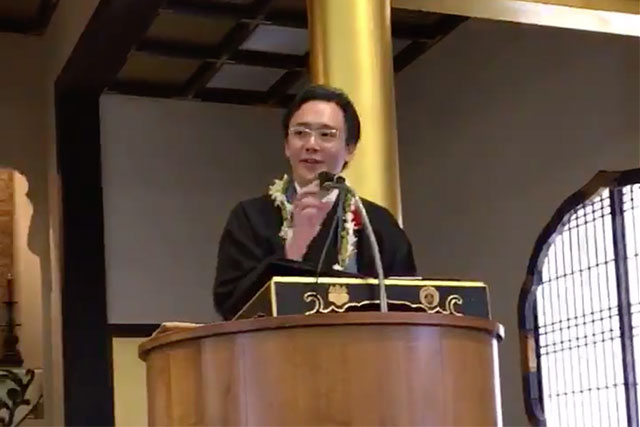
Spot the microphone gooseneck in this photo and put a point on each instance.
(376, 253)
(334, 223)
(329, 180)
(325, 178)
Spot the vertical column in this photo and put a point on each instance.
(351, 50)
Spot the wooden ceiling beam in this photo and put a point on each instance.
(97, 57)
(241, 97)
(145, 88)
(15, 26)
(45, 12)
(417, 48)
(276, 96)
(409, 54)
(279, 91)
(212, 54)
(607, 16)
(240, 12)
(209, 9)
(90, 71)
(429, 33)
(269, 59)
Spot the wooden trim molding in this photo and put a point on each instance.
(100, 52)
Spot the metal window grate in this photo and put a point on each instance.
(631, 215)
(579, 309)
(578, 324)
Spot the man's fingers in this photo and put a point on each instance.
(307, 195)
(307, 203)
(314, 187)
(311, 190)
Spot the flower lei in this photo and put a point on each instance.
(351, 223)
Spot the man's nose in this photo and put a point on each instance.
(311, 143)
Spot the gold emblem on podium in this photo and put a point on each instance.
(339, 295)
(429, 296)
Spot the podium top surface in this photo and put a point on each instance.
(334, 319)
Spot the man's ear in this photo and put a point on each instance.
(286, 148)
(351, 150)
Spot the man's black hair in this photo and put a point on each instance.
(329, 94)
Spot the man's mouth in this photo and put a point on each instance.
(311, 161)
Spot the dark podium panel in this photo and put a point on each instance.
(286, 295)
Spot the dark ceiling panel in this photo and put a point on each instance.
(245, 77)
(210, 53)
(229, 44)
(198, 30)
(226, 49)
(272, 38)
(157, 69)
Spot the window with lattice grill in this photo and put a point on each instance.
(580, 309)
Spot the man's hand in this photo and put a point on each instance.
(309, 211)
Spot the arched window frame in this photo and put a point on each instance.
(527, 310)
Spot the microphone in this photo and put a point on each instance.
(330, 181)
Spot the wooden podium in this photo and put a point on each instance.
(346, 369)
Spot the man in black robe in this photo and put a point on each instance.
(299, 224)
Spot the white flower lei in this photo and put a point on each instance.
(348, 237)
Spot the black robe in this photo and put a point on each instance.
(251, 251)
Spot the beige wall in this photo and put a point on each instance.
(129, 383)
(23, 148)
(27, 136)
(499, 124)
(28, 279)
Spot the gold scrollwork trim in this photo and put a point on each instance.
(319, 305)
(316, 299)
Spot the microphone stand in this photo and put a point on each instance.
(340, 184)
(376, 253)
(337, 220)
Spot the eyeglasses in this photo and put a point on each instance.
(324, 135)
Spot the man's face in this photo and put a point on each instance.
(316, 141)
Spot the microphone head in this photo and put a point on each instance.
(326, 177)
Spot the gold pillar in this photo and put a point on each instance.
(351, 50)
